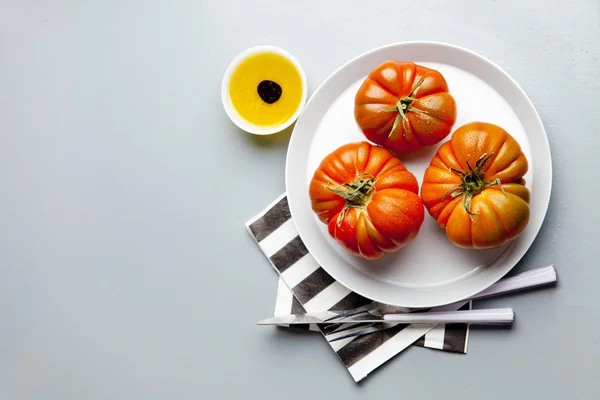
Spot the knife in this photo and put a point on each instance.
(375, 312)
(495, 316)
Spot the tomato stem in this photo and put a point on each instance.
(357, 194)
(473, 182)
(403, 106)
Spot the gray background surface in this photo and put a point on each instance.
(125, 268)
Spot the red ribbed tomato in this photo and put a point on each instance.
(403, 106)
(368, 199)
(474, 187)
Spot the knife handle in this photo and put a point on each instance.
(525, 280)
(495, 316)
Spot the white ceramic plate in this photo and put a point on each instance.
(430, 271)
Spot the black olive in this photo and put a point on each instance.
(269, 91)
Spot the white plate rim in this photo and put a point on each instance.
(437, 299)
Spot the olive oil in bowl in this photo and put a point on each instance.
(265, 90)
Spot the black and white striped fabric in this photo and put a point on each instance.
(305, 287)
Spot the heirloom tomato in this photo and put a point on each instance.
(403, 106)
(368, 199)
(474, 187)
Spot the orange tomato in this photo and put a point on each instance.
(403, 106)
(368, 199)
(474, 187)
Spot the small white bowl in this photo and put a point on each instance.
(234, 116)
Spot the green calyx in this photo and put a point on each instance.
(402, 107)
(357, 194)
(473, 182)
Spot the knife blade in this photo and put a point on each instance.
(316, 318)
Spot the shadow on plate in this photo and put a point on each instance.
(425, 154)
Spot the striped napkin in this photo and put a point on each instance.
(305, 287)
